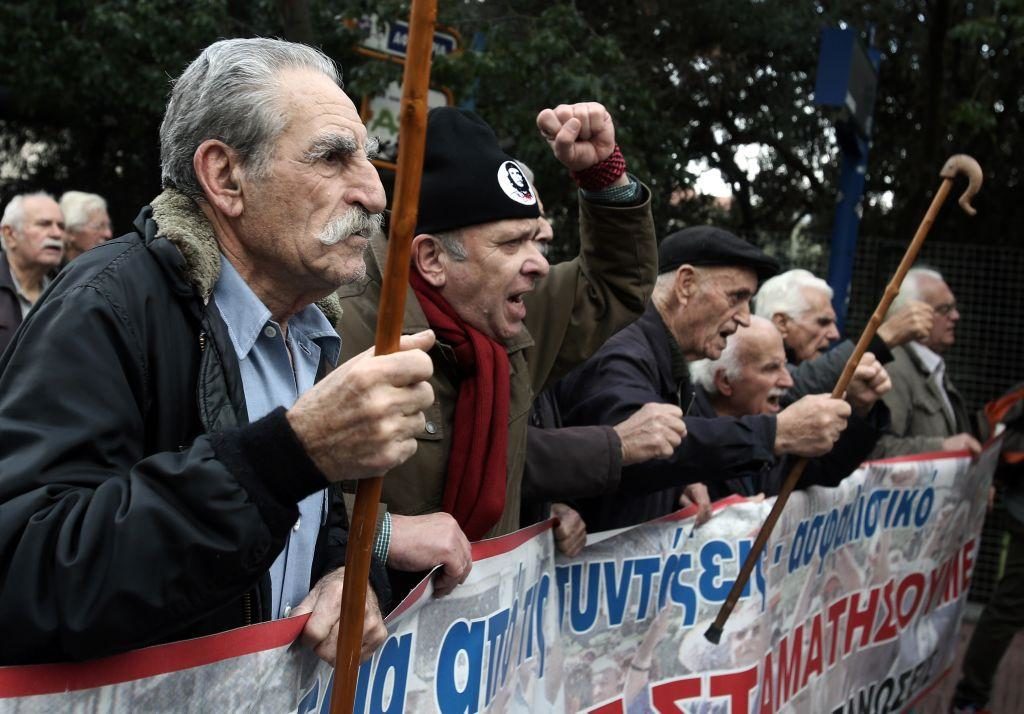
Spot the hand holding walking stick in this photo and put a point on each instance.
(958, 164)
(413, 133)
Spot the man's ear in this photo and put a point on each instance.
(7, 237)
(685, 286)
(430, 259)
(781, 321)
(219, 172)
(722, 383)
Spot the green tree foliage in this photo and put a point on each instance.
(686, 82)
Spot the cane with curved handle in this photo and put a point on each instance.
(958, 164)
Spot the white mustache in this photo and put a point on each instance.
(357, 222)
(52, 243)
(776, 392)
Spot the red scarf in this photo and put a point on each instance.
(474, 493)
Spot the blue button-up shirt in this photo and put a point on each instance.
(270, 380)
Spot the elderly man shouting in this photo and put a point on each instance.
(701, 297)
(507, 322)
(751, 377)
(170, 418)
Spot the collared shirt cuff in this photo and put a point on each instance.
(616, 195)
(382, 543)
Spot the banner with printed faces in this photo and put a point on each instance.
(853, 607)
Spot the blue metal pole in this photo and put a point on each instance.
(847, 221)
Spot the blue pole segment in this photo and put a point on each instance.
(847, 221)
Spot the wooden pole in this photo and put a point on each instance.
(412, 140)
(961, 163)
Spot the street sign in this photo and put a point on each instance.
(847, 77)
(389, 39)
(381, 116)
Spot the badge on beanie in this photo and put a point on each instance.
(513, 182)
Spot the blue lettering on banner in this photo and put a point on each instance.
(461, 637)
(884, 509)
(394, 657)
(617, 589)
(713, 585)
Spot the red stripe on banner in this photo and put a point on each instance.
(38, 679)
(491, 547)
(481, 551)
(691, 510)
(926, 456)
(934, 455)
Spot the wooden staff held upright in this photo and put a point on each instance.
(961, 163)
(413, 134)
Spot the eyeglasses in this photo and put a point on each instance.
(946, 308)
(98, 226)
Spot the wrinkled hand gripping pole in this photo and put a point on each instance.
(958, 164)
(413, 132)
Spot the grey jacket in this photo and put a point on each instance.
(920, 420)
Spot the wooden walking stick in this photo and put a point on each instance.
(960, 163)
(412, 135)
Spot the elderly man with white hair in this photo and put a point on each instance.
(86, 222)
(30, 229)
(928, 413)
(800, 306)
(751, 377)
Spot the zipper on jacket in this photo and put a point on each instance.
(247, 607)
(202, 341)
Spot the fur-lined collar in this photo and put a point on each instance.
(183, 224)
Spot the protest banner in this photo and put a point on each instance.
(855, 607)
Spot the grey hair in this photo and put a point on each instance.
(911, 287)
(77, 206)
(14, 211)
(231, 92)
(704, 371)
(451, 243)
(784, 293)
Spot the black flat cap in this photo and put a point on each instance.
(467, 178)
(707, 245)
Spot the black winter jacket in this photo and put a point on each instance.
(853, 448)
(636, 367)
(137, 504)
(10, 308)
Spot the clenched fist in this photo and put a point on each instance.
(580, 135)
(870, 382)
(653, 432)
(360, 421)
(913, 321)
(811, 425)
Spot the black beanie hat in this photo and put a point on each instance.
(467, 178)
(707, 245)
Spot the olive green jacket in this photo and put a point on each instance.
(569, 314)
(920, 420)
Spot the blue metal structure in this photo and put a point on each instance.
(847, 77)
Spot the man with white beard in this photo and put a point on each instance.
(31, 228)
(751, 377)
